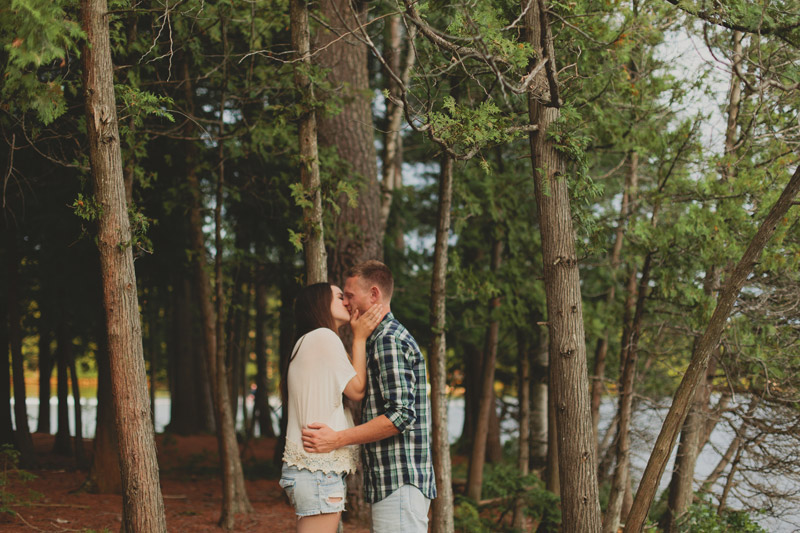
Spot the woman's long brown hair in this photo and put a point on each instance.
(312, 310)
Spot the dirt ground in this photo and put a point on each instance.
(190, 484)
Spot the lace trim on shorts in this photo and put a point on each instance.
(341, 460)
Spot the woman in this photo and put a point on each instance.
(318, 373)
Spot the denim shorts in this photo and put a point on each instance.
(313, 493)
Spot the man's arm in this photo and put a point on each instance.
(319, 438)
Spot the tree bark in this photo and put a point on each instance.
(262, 413)
(286, 321)
(392, 157)
(701, 354)
(569, 382)
(45, 365)
(104, 475)
(143, 506)
(22, 434)
(186, 375)
(598, 385)
(681, 487)
(442, 519)
(524, 418)
(79, 450)
(6, 421)
(487, 399)
(630, 353)
(350, 133)
(539, 385)
(681, 490)
(314, 245)
(62, 444)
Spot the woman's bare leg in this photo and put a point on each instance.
(321, 523)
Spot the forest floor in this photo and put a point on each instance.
(53, 502)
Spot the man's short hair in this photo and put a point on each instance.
(375, 273)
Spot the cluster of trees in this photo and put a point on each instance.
(563, 222)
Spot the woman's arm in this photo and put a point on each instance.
(362, 326)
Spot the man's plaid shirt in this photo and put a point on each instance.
(397, 388)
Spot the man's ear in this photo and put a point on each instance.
(375, 294)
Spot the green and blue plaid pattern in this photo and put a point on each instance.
(397, 387)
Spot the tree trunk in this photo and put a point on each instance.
(569, 384)
(80, 451)
(62, 443)
(630, 353)
(143, 506)
(392, 157)
(524, 418)
(45, 364)
(494, 449)
(598, 385)
(350, 135)
(314, 245)
(234, 493)
(442, 519)
(262, 411)
(6, 421)
(186, 375)
(472, 390)
(539, 381)
(701, 354)
(681, 487)
(487, 399)
(22, 435)
(154, 342)
(104, 475)
(286, 322)
(681, 490)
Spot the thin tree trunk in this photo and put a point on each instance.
(494, 449)
(392, 164)
(185, 372)
(552, 472)
(262, 410)
(22, 435)
(569, 384)
(701, 354)
(45, 364)
(539, 383)
(487, 403)
(286, 321)
(314, 245)
(630, 343)
(598, 385)
(153, 341)
(6, 421)
(234, 493)
(442, 520)
(524, 418)
(472, 389)
(681, 489)
(80, 451)
(143, 506)
(62, 444)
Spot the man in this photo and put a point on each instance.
(395, 429)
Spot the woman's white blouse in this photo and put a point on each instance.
(318, 375)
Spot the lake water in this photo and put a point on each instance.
(647, 423)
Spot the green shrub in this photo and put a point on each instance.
(703, 517)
